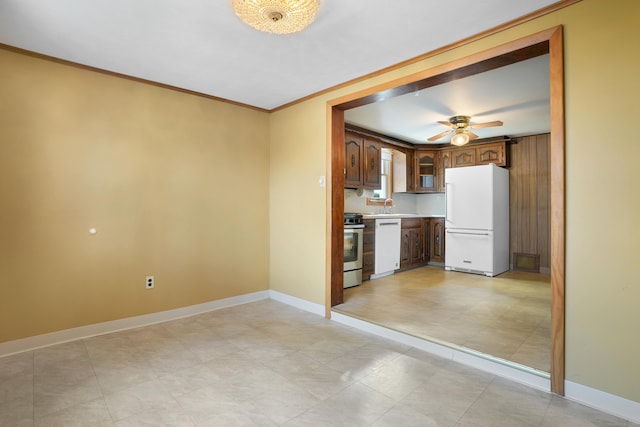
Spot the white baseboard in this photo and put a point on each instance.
(380, 275)
(297, 302)
(602, 401)
(58, 337)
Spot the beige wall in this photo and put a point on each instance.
(602, 90)
(176, 185)
(297, 202)
(603, 203)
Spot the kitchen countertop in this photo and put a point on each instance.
(399, 215)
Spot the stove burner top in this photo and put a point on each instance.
(352, 218)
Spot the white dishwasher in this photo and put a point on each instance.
(387, 254)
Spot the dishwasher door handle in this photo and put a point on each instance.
(388, 223)
(466, 232)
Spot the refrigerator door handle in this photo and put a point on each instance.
(446, 201)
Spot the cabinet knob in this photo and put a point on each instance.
(353, 160)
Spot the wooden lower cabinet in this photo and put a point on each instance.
(412, 247)
(436, 242)
(421, 242)
(426, 239)
(368, 248)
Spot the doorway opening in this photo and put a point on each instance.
(545, 42)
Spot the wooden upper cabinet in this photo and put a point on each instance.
(492, 153)
(411, 184)
(425, 167)
(354, 146)
(361, 162)
(482, 154)
(371, 164)
(464, 157)
(445, 162)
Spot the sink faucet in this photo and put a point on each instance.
(384, 207)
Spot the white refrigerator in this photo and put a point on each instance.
(477, 219)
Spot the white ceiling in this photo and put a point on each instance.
(200, 45)
(517, 95)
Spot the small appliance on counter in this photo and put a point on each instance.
(353, 237)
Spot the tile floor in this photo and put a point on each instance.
(263, 364)
(507, 316)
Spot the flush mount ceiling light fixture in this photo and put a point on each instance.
(277, 16)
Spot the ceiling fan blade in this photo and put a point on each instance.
(447, 124)
(486, 124)
(472, 135)
(440, 135)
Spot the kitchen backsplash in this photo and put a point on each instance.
(431, 204)
(428, 204)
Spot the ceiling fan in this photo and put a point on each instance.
(460, 127)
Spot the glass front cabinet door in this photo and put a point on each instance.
(425, 169)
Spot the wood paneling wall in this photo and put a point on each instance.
(530, 217)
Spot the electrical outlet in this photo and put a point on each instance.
(150, 283)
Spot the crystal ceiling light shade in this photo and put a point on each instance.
(277, 16)
(460, 138)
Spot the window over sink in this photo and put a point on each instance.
(384, 192)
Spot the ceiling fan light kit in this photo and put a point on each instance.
(460, 128)
(460, 138)
(277, 16)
